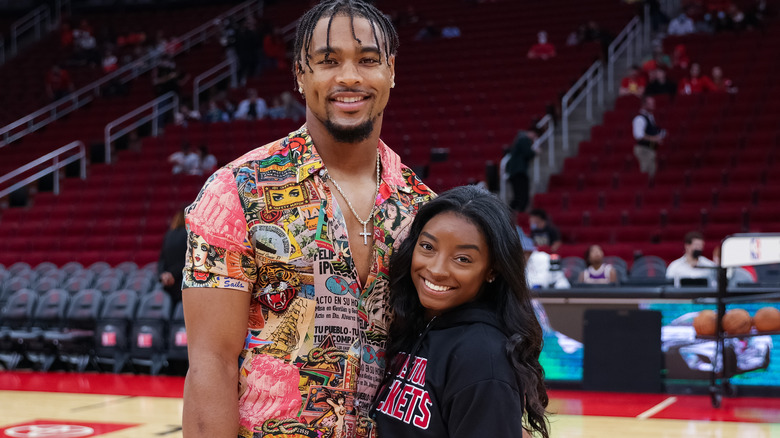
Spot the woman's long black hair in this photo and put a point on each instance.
(508, 295)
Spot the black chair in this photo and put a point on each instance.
(49, 315)
(71, 268)
(44, 268)
(112, 345)
(149, 332)
(75, 343)
(107, 284)
(99, 267)
(17, 314)
(177, 335)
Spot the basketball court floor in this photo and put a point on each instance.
(70, 405)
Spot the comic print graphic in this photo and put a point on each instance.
(271, 242)
(286, 331)
(286, 196)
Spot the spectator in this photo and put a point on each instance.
(542, 49)
(110, 62)
(658, 59)
(521, 154)
(184, 116)
(543, 232)
(248, 51)
(634, 83)
(208, 162)
(286, 107)
(215, 114)
(659, 84)
(692, 264)
(66, 36)
(680, 58)
(166, 77)
(58, 83)
(537, 267)
(720, 83)
(597, 272)
(251, 108)
(648, 136)
(578, 36)
(428, 32)
(695, 83)
(681, 25)
(757, 13)
(276, 49)
(451, 30)
(185, 161)
(172, 254)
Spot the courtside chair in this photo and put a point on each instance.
(49, 315)
(112, 347)
(17, 314)
(75, 342)
(149, 331)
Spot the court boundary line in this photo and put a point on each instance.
(657, 408)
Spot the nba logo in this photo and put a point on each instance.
(144, 340)
(755, 249)
(108, 339)
(181, 338)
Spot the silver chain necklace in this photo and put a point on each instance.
(365, 232)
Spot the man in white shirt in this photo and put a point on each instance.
(251, 108)
(647, 135)
(185, 161)
(693, 264)
(537, 267)
(681, 25)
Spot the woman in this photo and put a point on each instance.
(597, 272)
(463, 313)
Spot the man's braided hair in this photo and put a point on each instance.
(350, 8)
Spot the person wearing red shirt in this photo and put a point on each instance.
(58, 83)
(542, 49)
(633, 84)
(721, 83)
(695, 83)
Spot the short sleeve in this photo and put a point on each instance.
(218, 250)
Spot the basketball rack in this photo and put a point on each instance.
(748, 249)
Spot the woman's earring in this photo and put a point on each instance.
(490, 280)
(300, 90)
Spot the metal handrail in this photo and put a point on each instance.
(223, 70)
(548, 123)
(582, 89)
(159, 106)
(32, 20)
(54, 168)
(622, 43)
(2, 50)
(84, 95)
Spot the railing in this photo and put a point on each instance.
(628, 41)
(211, 77)
(56, 110)
(2, 50)
(548, 124)
(151, 111)
(38, 20)
(582, 89)
(57, 163)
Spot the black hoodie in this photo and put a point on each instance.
(456, 382)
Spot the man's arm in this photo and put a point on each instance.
(216, 321)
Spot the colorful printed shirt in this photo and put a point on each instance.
(314, 352)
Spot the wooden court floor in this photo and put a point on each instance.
(68, 405)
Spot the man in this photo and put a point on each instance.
(660, 84)
(648, 136)
(543, 49)
(251, 108)
(289, 247)
(520, 156)
(692, 264)
(634, 83)
(543, 232)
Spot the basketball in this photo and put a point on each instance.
(767, 319)
(737, 322)
(705, 323)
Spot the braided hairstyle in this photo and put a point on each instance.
(351, 8)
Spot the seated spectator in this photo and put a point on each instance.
(542, 49)
(207, 162)
(680, 58)
(251, 108)
(681, 25)
(110, 62)
(185, 162)
(543, 232)
(537, 267)
(450, 30)
(659, 84)
(166, 77)
(757, 13)
(215, 114)
(695, 83)
(721, 84)
(692, 264)
(634, 83)
(275, 48)
(58, 83)
(597, 272)
(428, 32)
(578, 36)
(184, 115)
(658, 58)
(286, 107)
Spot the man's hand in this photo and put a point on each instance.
(167, 279)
